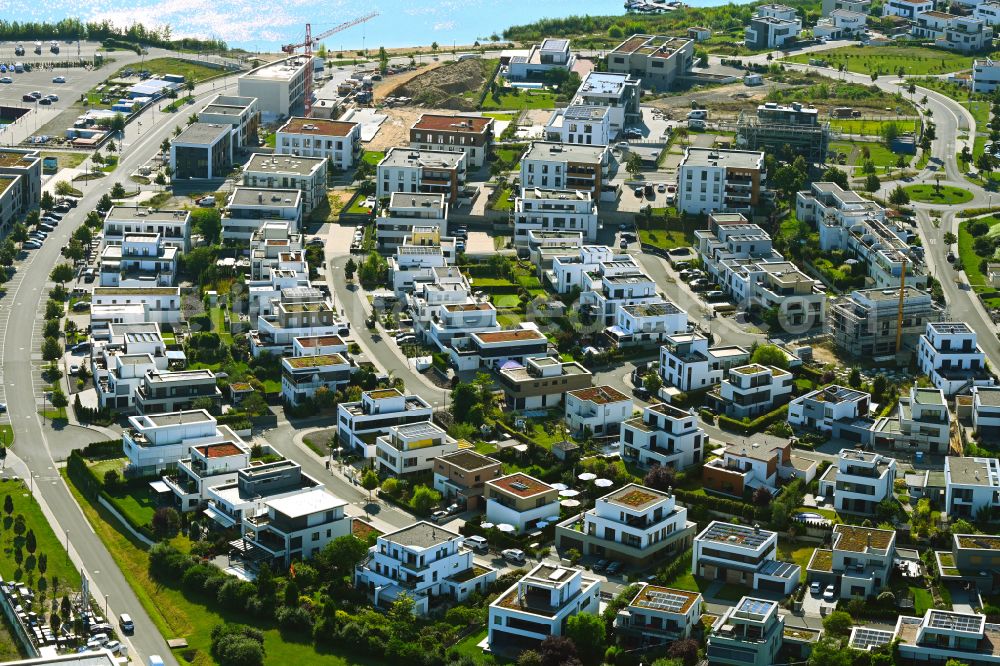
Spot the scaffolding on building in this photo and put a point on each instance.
(810, 141)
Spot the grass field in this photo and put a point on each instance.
(372, 157)
(66, 160)
(871, 127)
(877, 153)
(888, 59)
(506, 301)
(952, 90)
(970, 260)
(797, 553)
(159, 66)
(503, 202)
(931, 194)
(527, 99)
(922, 600)
(177, 614)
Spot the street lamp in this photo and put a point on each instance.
(106, 606)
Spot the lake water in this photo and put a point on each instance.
(261, 25)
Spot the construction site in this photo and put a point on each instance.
(772, 128)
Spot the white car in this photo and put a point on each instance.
(815, 588)
(830, 593)
(58, 79)
(74, 369)
(513, 555)
(6, 79)
(207, 201)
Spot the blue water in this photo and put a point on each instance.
(263, 25)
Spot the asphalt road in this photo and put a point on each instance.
(34, 441)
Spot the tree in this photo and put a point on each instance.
(51, 349)
(835, 175)
(464, 397)
(104, 204)
(770, 355)
(63, 188)
(531, 657)
(789, 180)
(237, 645)
(587, 633)
(872, 183)
(160, 179)
(829, 652)
(890, 132)
(965, 155)
(686, 650)
(660, 477)
(8, 505)
(117, 123)
(338, 558)
(838, 623)
(111, 479)
(369, 481)
(557, 650)
(652, 383)
(59, 399)
(761, 496)
(854, 378)
(165, 145)
(424, 499)
(634, 164)
(899, 197)
(62, 273)
(874, 77)
(30, 541)
(349, 269)
(47, 201)
(166, 521)
(19, 233)
(208, 223)
(291, 593)
(117, 191)
(434, 46)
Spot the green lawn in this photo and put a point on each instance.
(947, 194)
(110, 163)
(190, 70)
(980, 111)
(179, 615)
(666, 240)
(952, 90)
(527, 99)
(797, 553)
(922, 600)
(499, 115)
(886, 60)
(503, 201)
(970, 260)
(372, 157)
(870, 127)
(66, 160)
(692, 583)
(509, 156)
(877, 152)
(6, 434)
(506, 301)
(48, 542)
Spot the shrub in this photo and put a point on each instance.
(294, 619)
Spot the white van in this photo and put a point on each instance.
(696, 124)
(699, 114)
(476, 543)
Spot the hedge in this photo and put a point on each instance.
(723, 505)
(755, 426)
(810, 373)
(679, 566)
(84, 478)
(111, 448)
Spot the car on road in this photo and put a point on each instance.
(125, 620)
(513, 555)
(830, 593)
(816, 588)
(477, 543)
(52, 96)
(613, 568)
(36, 94)
(439, 515)
(3, 407)
(58, 79)
(27, 98)
(6, 79)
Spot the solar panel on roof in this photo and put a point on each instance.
(663, 601)
(755, 606)
(968, 623)
(866, 639)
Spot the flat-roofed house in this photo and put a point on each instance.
(209, 465)
(472, 135)
(859, 562)
(664, 435)
(412, 447)
(520, 500)
(462, 475)
(599, 410)
(742, 555)
(542, 382)
(657, 615)
(339, 141)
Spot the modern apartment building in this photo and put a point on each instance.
(966, 34)
(250, 208)
(339, 141)
(657, 61)
(616, 90)
(21, 183)
(908, 9)
(521, 501)
(742, 555)
(306, 174)
(565, 166)
(300, 312)
(748, 391)
(360, 423)
(154, 442)
(550, 55)
(580, 123)
(645, 323)
(841, 24)
(492, 349)
(462, 476)
(412, 447)
(427, 171)
(159, 304)
(209, 465)
(406, 212)
(972, 485)
(599, 410)
(859, 481)
(203, 151)
(986, 411)
(772, 26)
(538, 209)
(173, 226)
(279, 86)
(986, 71)
(163, 391)
(989, 14)
(303, 376)
(293, 528)
(859, 562)
(471, 135)
(422, 561)
(730, 236)
(922, 423)
(242, 114)
(865, 322)
(230, 503)
(688, 363)
(843, 412)
(743, 468)
(664, 435)
(751, 633)
(658, 616)
(942, 635)
(634, 524)
(711, 180)
(950, 355)
(539, 604)
(142, 260)
(541, 382)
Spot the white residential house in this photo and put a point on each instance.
(155, 442)
(950, 355)
(751, 633)
(986, 71)
(492, 349)
(538, 605)
(608, 290)
(731, 236)
(841, 24)
(742, 555)
(159, 304)
(908, 9)
(689, 364)
(751, 390)
(554, 210)
(174, 226)
(408, 211)
(634, 524)
(858, 564)
(657, 615)
(966, 35)
(711, 180)
(932, 24)
(942, 635)
(599, 410)
(521, 501)
(306, 174)
(843, 412)
(986, 411)
(922, 423)
(427, 171)
(412, 447)
(542, 382)
(360, 423)
(644, 323)
(230, 503)
(423, 561)
(619, 91)
(142, 260)
(318, 345)
(339, 141)
(293, 528)
(302, 376)
(250, 208)
(209, 465)
(859, 481)
(580, 123)
(300, 312)
(972, 485)
(460, 320)
(566, 166)
(120, 363)
(279, 86)
(663, 435)
(989, 14)
(743, 468)
(162, 391)
(275, 253)
(772, 26)
(541, 59)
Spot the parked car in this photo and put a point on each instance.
(623, 244)
(830, 593)
(61, 208)
(207, 201)
(714, 295)
(126, 623)
(513, 555)
(46, 227)
(815, 588)
(600, 566)
(69, 201)
(477, 543)
(31, 245)
(113, 646)
(3, 407)
(614, 568)
(74, 369)
(438, 516)
(36, 94)
(661, 188)
(700, 284)
(52, 214)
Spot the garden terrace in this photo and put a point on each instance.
(822, 560)
(635, 498)
(860, 539)
(978, 541)
(652, 594)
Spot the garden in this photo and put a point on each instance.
(938, 194)
(889, 60)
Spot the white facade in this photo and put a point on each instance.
(859, 564)
(859, 481)
(296, 527)
(427, 171)
(407, 212)
(908, 9)
(339, 141)
(142, 260)
(554, 210)
(521, 501)
(989, 14)
(922, 423)
(971, 485)
(750, 633)
(949, 354)
(659, 615)
(359, 423)
(741, 554)
(617, 91)
(242, 113)
(663, 435)
(565, 166)
(966, 35)
(986, 410)
(412, 447)
(834, 409)
(688, 363)
(302, 376)
(710, 180)
(840, 24)
(644, 323)
(582, 124)
(986, 71)
(635, 516)
(306, 174)
(156, 441)
(599, 410)
(160, 304)
(943, 635)
(174, 226)
(540, 603)
(249, 209)
(549, 55)
(423, 561)
(751, 390)
(209, 465)
(278, 86)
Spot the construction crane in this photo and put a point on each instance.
(308, 45)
